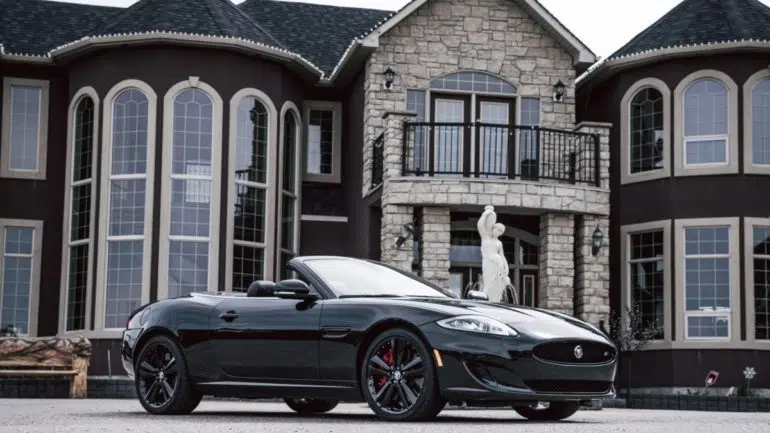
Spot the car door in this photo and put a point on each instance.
(264, 339)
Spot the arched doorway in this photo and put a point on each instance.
(521, 250)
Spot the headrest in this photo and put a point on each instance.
(261, 288)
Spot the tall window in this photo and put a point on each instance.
(191, 178)
(707, 282)
(646, 128)
(647, 278)
(80, 213)
(706, 123)
(24, 136)
(128, 189)
(761, 260)
(760, 129)
(251, 193)
(323, 121)
(289, 187)
(17, 278)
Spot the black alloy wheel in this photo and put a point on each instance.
(310, 406)
(554, 411)
(399, 378)
(162, 383)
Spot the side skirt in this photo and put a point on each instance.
(249, 390)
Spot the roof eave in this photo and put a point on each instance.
(607, 67)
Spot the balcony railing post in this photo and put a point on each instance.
(597, 160)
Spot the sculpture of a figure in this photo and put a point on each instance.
(494, 265)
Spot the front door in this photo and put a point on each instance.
(267, 339)
(495, 144)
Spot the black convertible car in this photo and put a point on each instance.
(356, 330)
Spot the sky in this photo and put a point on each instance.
(603, 25)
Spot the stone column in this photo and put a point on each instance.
(557, 264)
(436, 226)
(592, 293)
(393, 219)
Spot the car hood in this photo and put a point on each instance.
(534, 322)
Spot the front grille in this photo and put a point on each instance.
(569, 386)
(566, 352)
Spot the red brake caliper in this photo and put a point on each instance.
(388, 358)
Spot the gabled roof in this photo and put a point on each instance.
(696, 26)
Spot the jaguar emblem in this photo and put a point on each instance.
(578, 352)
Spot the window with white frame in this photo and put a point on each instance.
(189, 189)
(707, 282)
(24, 129)
(79, 211)
(706, 123)
(20, 244)
(126, 203)
(253, 194)
(323, 137)
(647, 278)
(289, 193)
(759, 265)
(646, 117)
(760, 118)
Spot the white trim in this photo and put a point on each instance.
(748, 123)
(336, 108)
(165, 189)
(37, 255)
(731, 165)
(5, 142)
(626, 176)
(289, 108)
(680, 320)
(84, 92)
(748, 251)
(269, 187)
(324, 218)
(625, 254)
(104, 195)
(580, 52)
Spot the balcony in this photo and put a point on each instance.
(516, 166)
(502, 152)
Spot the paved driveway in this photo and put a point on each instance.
(105, 416)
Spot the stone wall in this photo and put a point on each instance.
(393, 219)
(592, 292)
(557, 264)
(445, 36)
(437, 225)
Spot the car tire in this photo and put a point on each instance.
(310, 406)
(556, 410)
(184, 396)
(429, 401)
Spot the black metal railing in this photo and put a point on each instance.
(495, 151)
(378, 160)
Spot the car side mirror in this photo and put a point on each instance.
(476, 295)
(294, 289)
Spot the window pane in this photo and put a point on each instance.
(646, 120)
(288, 222)
(320, 141)
(760, 130)
(761, 262)
(84, 140)
(289, 153)
(708, 326)
(188, 268)
(77, 286)
(125, 263)
(80, 213)
(248, 266)
(472, 81)
(16, 288)
(647, 245)
(707, 241)
(705, 106)
(647, 278)
(129, 133)
(249, 225)
(127, 201)
(251, 160)
(25, 127)
(415, 103)
(707, 284)
(706, 152)
(190, 208)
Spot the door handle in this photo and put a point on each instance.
(229, 316)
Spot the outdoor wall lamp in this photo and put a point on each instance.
(390, 76)
(596, 242)
(407, 233)
(558, 91)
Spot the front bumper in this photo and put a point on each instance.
(489, 368)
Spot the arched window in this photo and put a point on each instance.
(251, 189)
(79, 210)
(706, 118)
(289, 230)
(473, 81)
(756, 123)
(126, 203)
(189, 200)
(645, 131)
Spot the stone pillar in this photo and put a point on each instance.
(557, 264)
(603, 130)
(592, 292)
(436, 226)
(393, 219)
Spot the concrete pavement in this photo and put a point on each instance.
(107, 416)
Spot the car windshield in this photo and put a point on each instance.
(360, 278)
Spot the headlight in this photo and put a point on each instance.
(481, 324)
